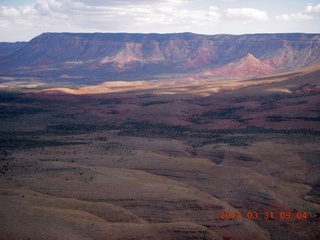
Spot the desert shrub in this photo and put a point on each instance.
(153, 103)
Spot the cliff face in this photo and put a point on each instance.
(247, 66)
(113, 56)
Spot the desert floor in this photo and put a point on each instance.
(197, 159)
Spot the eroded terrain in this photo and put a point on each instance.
(163, 162)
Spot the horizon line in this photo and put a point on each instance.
(169, 33)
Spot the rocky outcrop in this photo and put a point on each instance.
(141, 56)
(246, 66)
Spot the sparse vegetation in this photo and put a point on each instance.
(153, 103)
(13, 111)
(114, 158)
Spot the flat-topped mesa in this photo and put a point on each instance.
(118, 56)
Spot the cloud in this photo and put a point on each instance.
(145, 16)
(107, 16)
(312, 9)
(309, 13)
(292, 16)
(213, 14)
(130, 2)
(245, 14)
(8, 12)
(48, 6)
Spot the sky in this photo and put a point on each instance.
(22, 20)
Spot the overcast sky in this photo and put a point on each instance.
(21, 20)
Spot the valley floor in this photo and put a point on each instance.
(162, 163)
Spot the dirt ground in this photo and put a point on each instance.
(198, 159)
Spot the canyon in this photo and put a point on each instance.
(160, 136)
(98, 57)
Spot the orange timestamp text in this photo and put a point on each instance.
(263, 215)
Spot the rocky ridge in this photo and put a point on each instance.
(124, 56)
